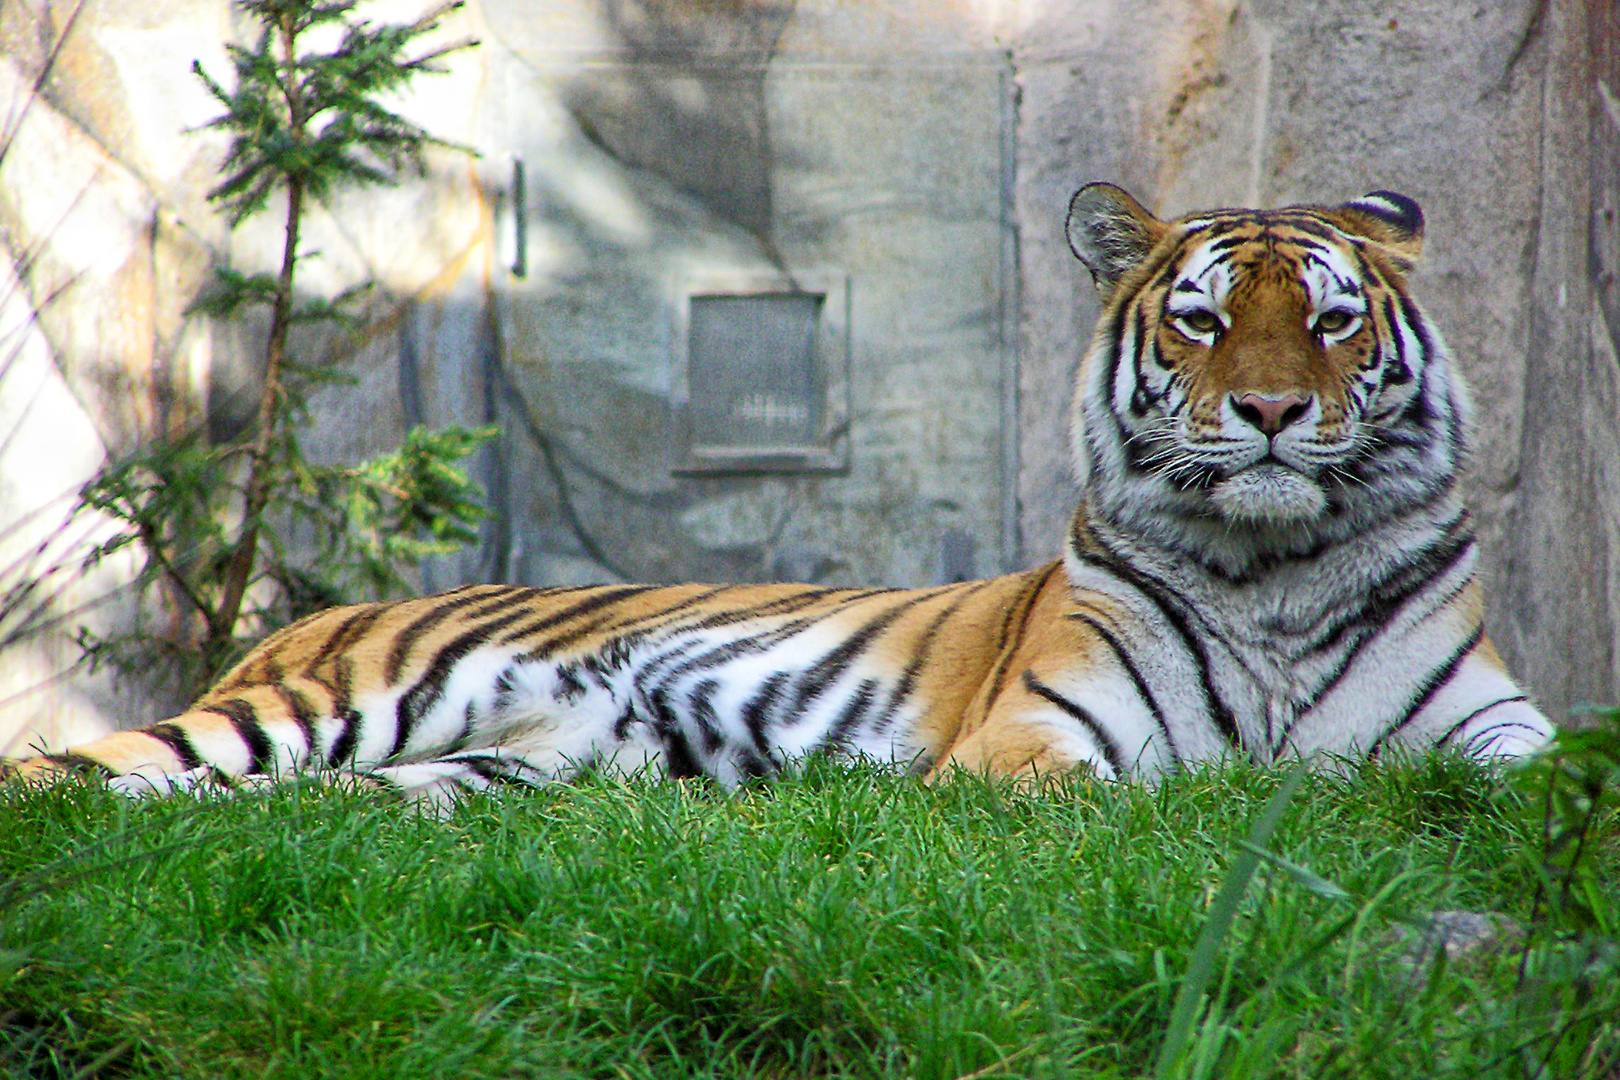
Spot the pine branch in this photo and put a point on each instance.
(302, 124)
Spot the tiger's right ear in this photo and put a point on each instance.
(1390, 219)
(1110, 232)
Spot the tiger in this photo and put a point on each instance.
(1269, 561)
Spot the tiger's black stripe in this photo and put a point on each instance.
(758, 708)
(1342, 669)
(1224, 243)
(1010, 638)
(851, 715)
(269, 669)
(787, 605)
(345, 635)
(680, 763)
(691, 656)
(687, 659)
(243, 717)
(81, 763)
(1310, 228)
(1108, 561)
(303, 714)
(1142, 691)
(682, 651)
(1136, 455)
(1407, 577)
(429, 688)
(1097, 731)
(426, 691)
(826, 671)
(1399, 373)
(175, 738)
(341, 688)
(1117, 324)
(605, 598)
(1428, 688)
(405, 640)
(657, 620)
(493, 770)
(1451, 732)
(925, 647)
(700, 706)
(1496, 729)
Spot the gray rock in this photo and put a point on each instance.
(1466, 936)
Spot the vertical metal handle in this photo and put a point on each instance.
(520, 221)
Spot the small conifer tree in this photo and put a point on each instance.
(243, 536)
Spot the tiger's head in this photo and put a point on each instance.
(1260, 381)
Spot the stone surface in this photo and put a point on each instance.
(925, 148)
(1469, 938)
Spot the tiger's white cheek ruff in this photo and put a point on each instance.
(1268, 494)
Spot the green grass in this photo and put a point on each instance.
(841, 922)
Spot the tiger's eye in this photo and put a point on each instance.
(1331, 322)
(1202, 322)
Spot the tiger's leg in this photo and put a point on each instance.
(1499, 721)
(1056, 722)
(437, 783)
(252, 735)
(348, 688)
(1480, 711)
(552, 738)
(587, 740)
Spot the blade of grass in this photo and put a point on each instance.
(1302, 876)
(1201, 967)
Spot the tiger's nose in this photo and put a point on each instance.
(1270, 414)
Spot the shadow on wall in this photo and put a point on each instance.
(689, 105)
(676, 143)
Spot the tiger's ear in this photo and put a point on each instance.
(1110, 232)
(1388, 219)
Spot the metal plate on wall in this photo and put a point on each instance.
(761, 373)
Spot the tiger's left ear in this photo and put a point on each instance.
(1387, 219)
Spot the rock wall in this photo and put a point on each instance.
(1496, 118)
(921, 153)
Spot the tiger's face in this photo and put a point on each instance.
(1260, 374)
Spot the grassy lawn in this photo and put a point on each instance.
(842, 922)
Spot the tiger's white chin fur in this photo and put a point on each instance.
(1268, 494)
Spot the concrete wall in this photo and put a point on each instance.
(666, 142)
(925, 152)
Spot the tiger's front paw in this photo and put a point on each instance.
(1511, 730)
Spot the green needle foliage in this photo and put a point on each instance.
(307, 122)
(227, 531)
